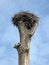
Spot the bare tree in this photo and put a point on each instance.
(26, 24)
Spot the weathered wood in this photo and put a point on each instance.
(27, 24)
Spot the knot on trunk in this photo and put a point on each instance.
(21, 49)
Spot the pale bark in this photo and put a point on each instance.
(25, 36)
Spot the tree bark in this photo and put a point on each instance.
(27, 24)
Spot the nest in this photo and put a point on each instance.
(28, 18)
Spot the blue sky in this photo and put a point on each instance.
(9, 35)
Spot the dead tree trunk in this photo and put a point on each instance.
(27, 24)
